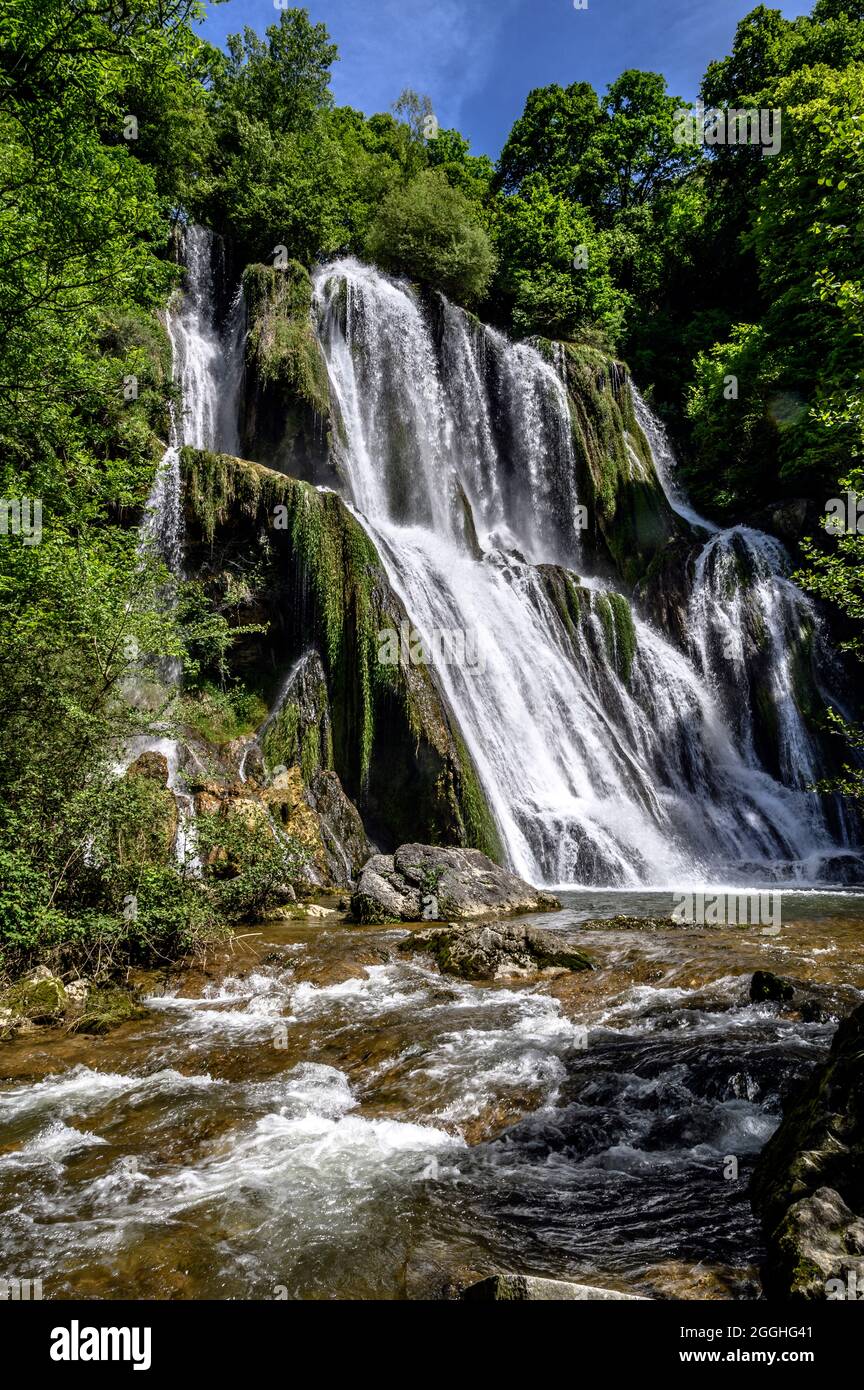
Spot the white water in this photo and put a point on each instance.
(590, 780)
(208, 367)
(209, 370)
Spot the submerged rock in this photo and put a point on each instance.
(624, 923)
(425, 883)
(526, 1288)
(808, 1185)
(483, 952)
(766, 987)
(106, 1009)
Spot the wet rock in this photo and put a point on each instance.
(423, 882)
(766, 987)
(814, 1011)
(624, 923)
(808, 1185)
(522, 1288)
(38, 998)
(346, 845)
(493, 949)
(106, 1009)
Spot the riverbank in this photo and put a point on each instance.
(321, 1113)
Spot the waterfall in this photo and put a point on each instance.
(749, 627)
(592, 777)
(208, 367)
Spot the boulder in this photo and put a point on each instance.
(424, 882)
(526, 1288)
(766, 987)
(39, 997)
(496, 948)
(808, 1184)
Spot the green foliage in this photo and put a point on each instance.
(736, 410)
(282, 80)
(427, 230)
(249, 864)
(539, 235)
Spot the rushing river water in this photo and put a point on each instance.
(321, 1116)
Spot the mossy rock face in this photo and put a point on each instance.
(39, 1000)
(287, 417)
(630, 519)
(151, 834)
(312, 576)
(106, 1009)
(808, 1185)
(599, 623)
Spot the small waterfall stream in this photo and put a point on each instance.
(208, 366)
(591, 779)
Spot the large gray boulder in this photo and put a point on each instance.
(425, 883)
(486, 951)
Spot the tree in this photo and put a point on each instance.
(554, 265)
(283, 79)
(637, 140)
(427, 230)
(556, 137)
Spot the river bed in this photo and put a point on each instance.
(321, 1116)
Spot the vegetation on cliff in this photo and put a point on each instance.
(596, 228)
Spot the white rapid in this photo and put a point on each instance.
(459, 462)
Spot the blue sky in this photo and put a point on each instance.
(478, 59)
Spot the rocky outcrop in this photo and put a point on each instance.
(495, 949)
(526, 1288)
(808, 1186)
(41, 998)
(631, 520)
(424, 883)
(287, 417)
(292, 563)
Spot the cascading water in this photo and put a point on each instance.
(208, 366)
(590, 778)
(750, 627)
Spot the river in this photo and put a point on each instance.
(319, 1115)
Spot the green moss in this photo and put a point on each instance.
(38, 1000)
(624, 635)
(282, 345)
(281, 744)
(617, 482)
(481, 831)
(106, 1009)
(220, 716)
